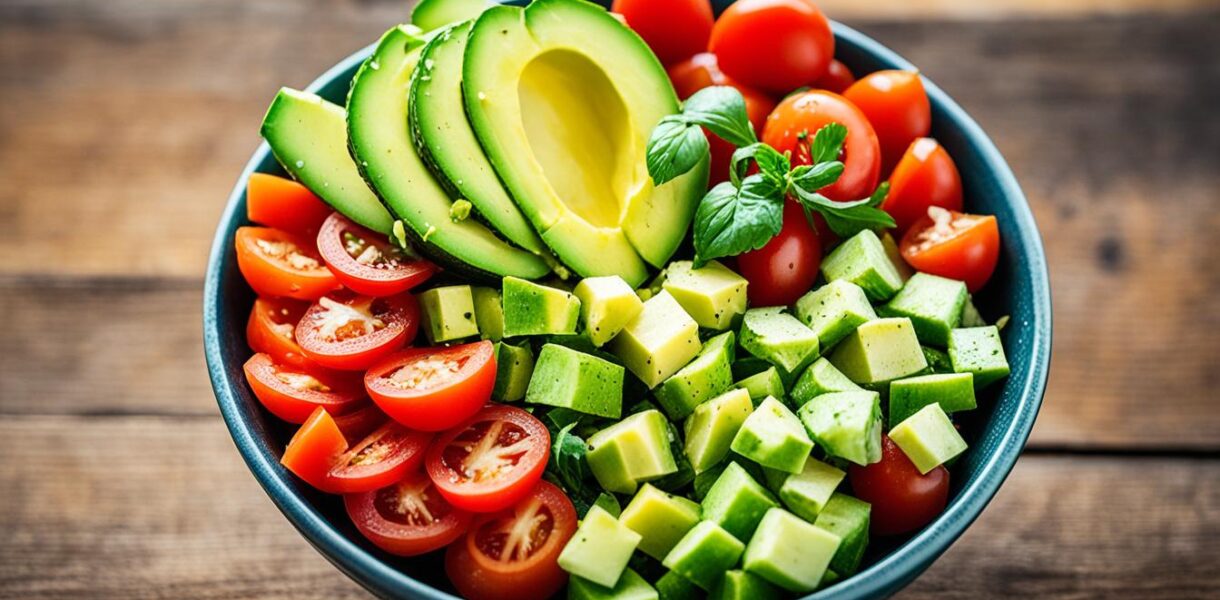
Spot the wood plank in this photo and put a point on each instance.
(88, 513)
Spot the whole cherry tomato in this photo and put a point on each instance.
(674, 29)
(773, 45)
(837, 78)
(902, 499)
(926, 176)
(787, 266)
(897, 106)
(792, 125)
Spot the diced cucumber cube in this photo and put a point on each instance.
(514, 366)
(933, 304)
(704, 554)
(938, 360)
(672, 586)
(953, 391)
(600, 548)
(928, 438)
(789, 552)
(630, 586)
(820, 378)
(740, 585)
(607, 304)
(880, 351)
(712, 294)
(773, 437)
(834, 310)
(846, 424)
(533, 309)
(658, 341)
(632, 451)
(737, 502)
(978, 350)
(582, 382)
(488, 312)
(608, 503)
(862, 260)
(661, 519)
(448, 313)
(895, 255)
(971, 317)
(712, 427)
(848, 518)
(761, 385)
(778, 338)
(807, 492)
(707, 376)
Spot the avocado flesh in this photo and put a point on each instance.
(447, 144)
(434, 14)
(381, 143)
(308, 136)
(563, 98)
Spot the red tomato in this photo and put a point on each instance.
(292, 393)
(349, 332)
(954, 245)
(897, 106)
(359, 423)
(271, 330)
(366, 264)
(491, 461)
(903, 500)
(792, 125)
(383, 457)
(772, 45)
(701, 71)
(514, 555)
(407, 518)
(314, 448)
(284, 204)
(837, 78)
(432, 389)
(926, 176)
(674, 29)
(787, 266)
(278, 263)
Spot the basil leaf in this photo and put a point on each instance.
(674, 148)
(812, 178)
(722, 110)
(848, 218)
(773, 165)
(568, 459)
(827, 142)
(730, 220)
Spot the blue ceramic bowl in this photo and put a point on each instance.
(996, 432)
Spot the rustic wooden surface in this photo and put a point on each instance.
(124, 123)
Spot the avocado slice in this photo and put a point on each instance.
(447, 144)
(377, 117)
(308, 135)
(563, 98)
(434, 14)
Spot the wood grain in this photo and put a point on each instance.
(156, 508)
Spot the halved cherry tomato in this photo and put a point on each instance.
(701, 71)
(367, 264)
(314, 448)
(954, 245)
(491, 461)
(432, 389)
(674, 29)
(902, 499)
(284, 204)
(271, 329)
(383, 457)
(784, 269)
(407, 518)
(292, 393)
(359, 423)
(278, 263)
(837, 78)
(792, 125)
(514, 555)
(349, 332)
(897, 106)
(926, 176)
(772, 45)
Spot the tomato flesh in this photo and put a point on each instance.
(407, 518)
(783, 270)
(432, 389)
(792, 125)
(314, 448)
(654, 20)
(271, 329)
(346, 331)
(360, 422)
(897, 106)
(902, 499)
(383, 457)
(366, 265)
(954, 245)
(773, 45)
(514, 555)
(292, 393)
(925, 177)
(284, 204)
(281, 264)
(491, 461)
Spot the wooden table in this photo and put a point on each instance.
(124, 123)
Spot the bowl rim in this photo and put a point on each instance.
(889, 574)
